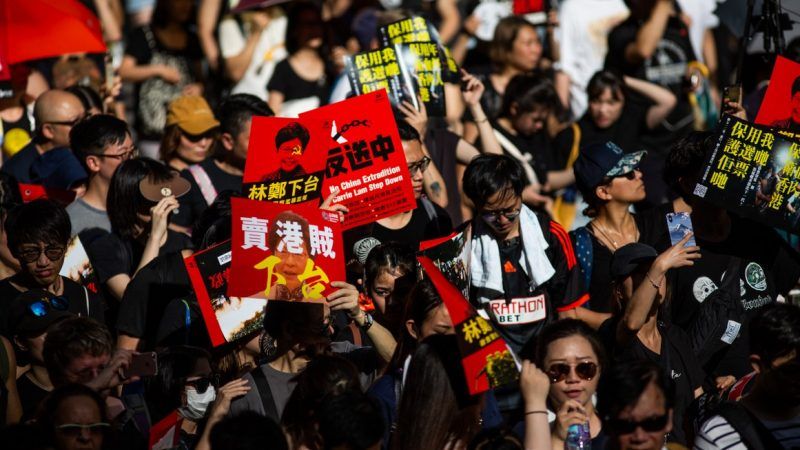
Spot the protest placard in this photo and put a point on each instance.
(487, 360)
(77, 266)
(227, 319)
(381, 69)
(284, 252)
(363, 158)
(451, 255)
(166, 434)
(423, 64)
(781, 105)
(282, 165)
(753, 170)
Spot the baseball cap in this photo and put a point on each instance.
(156, 190)
(33, 311)
(601, 160)
(191, 114)
(628, 257)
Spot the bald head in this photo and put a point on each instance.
(55, 112)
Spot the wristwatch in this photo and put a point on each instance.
(368, 321)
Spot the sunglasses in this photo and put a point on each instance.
(629, 175)
(195, 138)
(560, 371)
(132, 153)
(494, 216)
(76, 429)
(53, 253)
(421, 165)
(201, 384)
(651, 425)
(40, 308)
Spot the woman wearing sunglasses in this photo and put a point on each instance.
(610, 182)
(573, 356)
(190, 132)
(640, 287)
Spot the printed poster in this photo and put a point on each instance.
(381, 69)
(754, 171)
(77, 266)
(417, 29)
(487, 360)
(363, 158)
(284, 252)
(227, 319)
(281, 162)
(781, 107)
(422, 62)
(451, 255)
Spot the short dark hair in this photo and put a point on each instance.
(38, 221)
(623, 384)
(407, 132)
(391, 255)
(603, 80)
(291, 131)
(487, 175)
(70, 339)
(565, 328)
(775, 331)
(686, 158)
(351, 420)
(92, 135)
(247, 430)
(214, 224)
(527, 92)
(235, 112)
(125, 200)
(48, 409)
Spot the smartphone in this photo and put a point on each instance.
(679, 224)
(142, 365)
(731, 94)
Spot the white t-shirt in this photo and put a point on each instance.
(268, 52)
(583, 39)
(718, 434)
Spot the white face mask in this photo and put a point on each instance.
(197, 404)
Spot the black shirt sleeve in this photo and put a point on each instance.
(192, 204)
(110, 256)
(138, 47)
(618, 41)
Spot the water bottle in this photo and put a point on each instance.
(578, 437)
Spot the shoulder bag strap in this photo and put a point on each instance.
(576, 145)
(512, 150)
(265, 393)
(204, 182)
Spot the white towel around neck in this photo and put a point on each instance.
(486, 267)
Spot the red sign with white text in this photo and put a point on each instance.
(363, 157)
(284, 252)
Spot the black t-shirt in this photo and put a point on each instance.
(491, 99)
(535, 147)
(625, 132)
(146, 297)
(182, 324)
(111, 255)
(666, 67)
(600, 282)
(30, 395)
(139, 48)
(194, 203)
(421, 227)
(81, 302)
(286, 81)
(676, 359)
(19, 165)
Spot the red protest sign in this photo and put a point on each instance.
(363, 157)
(485, 356)
(284, 252)
(281, 167)
(781, 105)
(166, 434)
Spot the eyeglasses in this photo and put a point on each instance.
(40, 308)
(201, 384)
(421, 165)
(510, 214)
(560, 371)
(653, 424)
(69, 123)
(133, 152)
(53, 253)
(76, 429)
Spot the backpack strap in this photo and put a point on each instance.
(204, 182)
(576, 146)
(584, 251)
(523, 158)
(265, 393)
(356, 332)
(754, 434)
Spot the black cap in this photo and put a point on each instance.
(628, 257)
(600, 160)
(22, 321)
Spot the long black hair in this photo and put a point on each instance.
(125, 202)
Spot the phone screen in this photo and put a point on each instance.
(679, 224)
(142, 365)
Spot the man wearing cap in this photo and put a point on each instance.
(31, 314)
(101, 143)
(610, 182)
(55, 112)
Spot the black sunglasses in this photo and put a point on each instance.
(195, 138)
(201, 384)
(560, 371)
(494, 216)
(421, 165)
(53, 253)
(651, 425)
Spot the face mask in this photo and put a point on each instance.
(197, 404)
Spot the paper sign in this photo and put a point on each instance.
(77, 266)
(166, 434)
(284, 252)
(452, 255)
(780, 107)
(381, 69)
(363, 158)
(227, 319)
(417, 29)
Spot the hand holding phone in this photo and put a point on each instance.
(142, 365)
(679, 224)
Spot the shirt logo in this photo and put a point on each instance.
(519, 311)
(755, 277)
(508, 267)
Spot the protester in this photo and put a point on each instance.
(101, 143)
(10, 197)
(73, 417)
(189, 133)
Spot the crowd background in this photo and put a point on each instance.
(571, 135)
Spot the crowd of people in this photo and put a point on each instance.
(569, 139)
